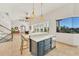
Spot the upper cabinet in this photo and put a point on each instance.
(40, 27)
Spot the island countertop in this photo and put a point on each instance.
(41, 37)
(41, 44)
(38, 37)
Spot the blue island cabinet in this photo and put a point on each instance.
(40, 48)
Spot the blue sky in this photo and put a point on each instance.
(72, 22)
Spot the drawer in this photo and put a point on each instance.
(47, 40)
(41, 43)
(46, 51)
(48, 43)
(47, 47)
(41, 51)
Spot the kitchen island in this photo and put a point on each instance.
(39, 45)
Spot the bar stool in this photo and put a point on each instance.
(24, 39)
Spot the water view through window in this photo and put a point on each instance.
(68, 25)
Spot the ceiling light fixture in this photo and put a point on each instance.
(33, 13)
(42, 16)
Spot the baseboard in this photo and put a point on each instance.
(67, 44)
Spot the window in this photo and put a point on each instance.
(68, 25)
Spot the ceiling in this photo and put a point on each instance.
(20, 9)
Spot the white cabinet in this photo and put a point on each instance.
(40, 27)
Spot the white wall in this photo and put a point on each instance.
(76, 13)
(5, 21)
(68, 10)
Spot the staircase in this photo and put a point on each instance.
(5, 34)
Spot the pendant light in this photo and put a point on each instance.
(27, 17)
(42, 16)
(33, 13)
